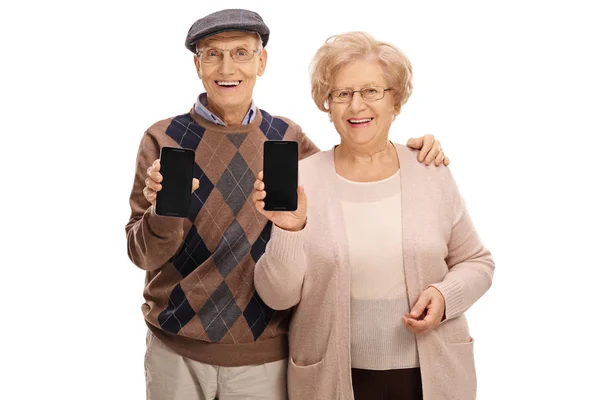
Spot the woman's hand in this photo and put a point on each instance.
(288, 220)
(427, 313)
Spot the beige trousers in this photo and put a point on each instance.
(170, 376)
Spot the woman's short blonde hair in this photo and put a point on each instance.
(340, 50)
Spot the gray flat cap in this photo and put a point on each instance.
(226, 20)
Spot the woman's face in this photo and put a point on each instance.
(362, 122)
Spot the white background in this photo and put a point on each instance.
(510, 88)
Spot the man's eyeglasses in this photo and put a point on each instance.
(370, 93)
(239, 54)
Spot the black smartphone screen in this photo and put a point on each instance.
(177, 170)
(280, 175)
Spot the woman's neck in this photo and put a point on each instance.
(366, 164)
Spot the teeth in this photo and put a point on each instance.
(224, 83)
(359, 121)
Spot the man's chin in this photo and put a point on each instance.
(232, 104)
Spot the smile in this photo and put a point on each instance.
(360, 122)
(228, 83)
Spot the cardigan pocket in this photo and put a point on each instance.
(299, 366)
(456, 376)
(310, 381)
(463, 351)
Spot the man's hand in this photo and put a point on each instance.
(431, 150)
(153, 180)
(427, 313)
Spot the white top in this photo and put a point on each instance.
(372, 214)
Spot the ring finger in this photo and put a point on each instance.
(153, 185)
(259, 195)
(439, 158)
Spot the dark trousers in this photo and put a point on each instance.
(393, 384)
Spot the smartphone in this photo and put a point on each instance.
(177, 170)
(280, 175)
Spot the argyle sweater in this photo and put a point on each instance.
(199, 293)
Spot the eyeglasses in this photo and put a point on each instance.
(239, 54)
(370, 93)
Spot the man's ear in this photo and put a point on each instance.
(262, 62)
(198, 67)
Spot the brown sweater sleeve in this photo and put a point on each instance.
(306, 147)
(151, 239)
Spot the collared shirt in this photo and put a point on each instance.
(201, 108)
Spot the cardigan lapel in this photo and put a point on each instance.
(342, 257)
(408, 183)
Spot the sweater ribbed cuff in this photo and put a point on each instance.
(286, 246)
(453, 296)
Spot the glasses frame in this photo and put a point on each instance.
(333, 99)
(199, 55)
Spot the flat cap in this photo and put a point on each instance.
(226, 20)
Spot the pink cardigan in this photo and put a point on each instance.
(309, 270)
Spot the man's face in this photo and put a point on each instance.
(229, 83)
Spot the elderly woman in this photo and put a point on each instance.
(380, 260)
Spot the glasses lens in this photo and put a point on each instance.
(212, 55)
(372, 93)
(341, 96)
(242, 54)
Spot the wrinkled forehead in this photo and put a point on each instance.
(360, 74)
(230, 39)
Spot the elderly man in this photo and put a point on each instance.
(210, 334)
